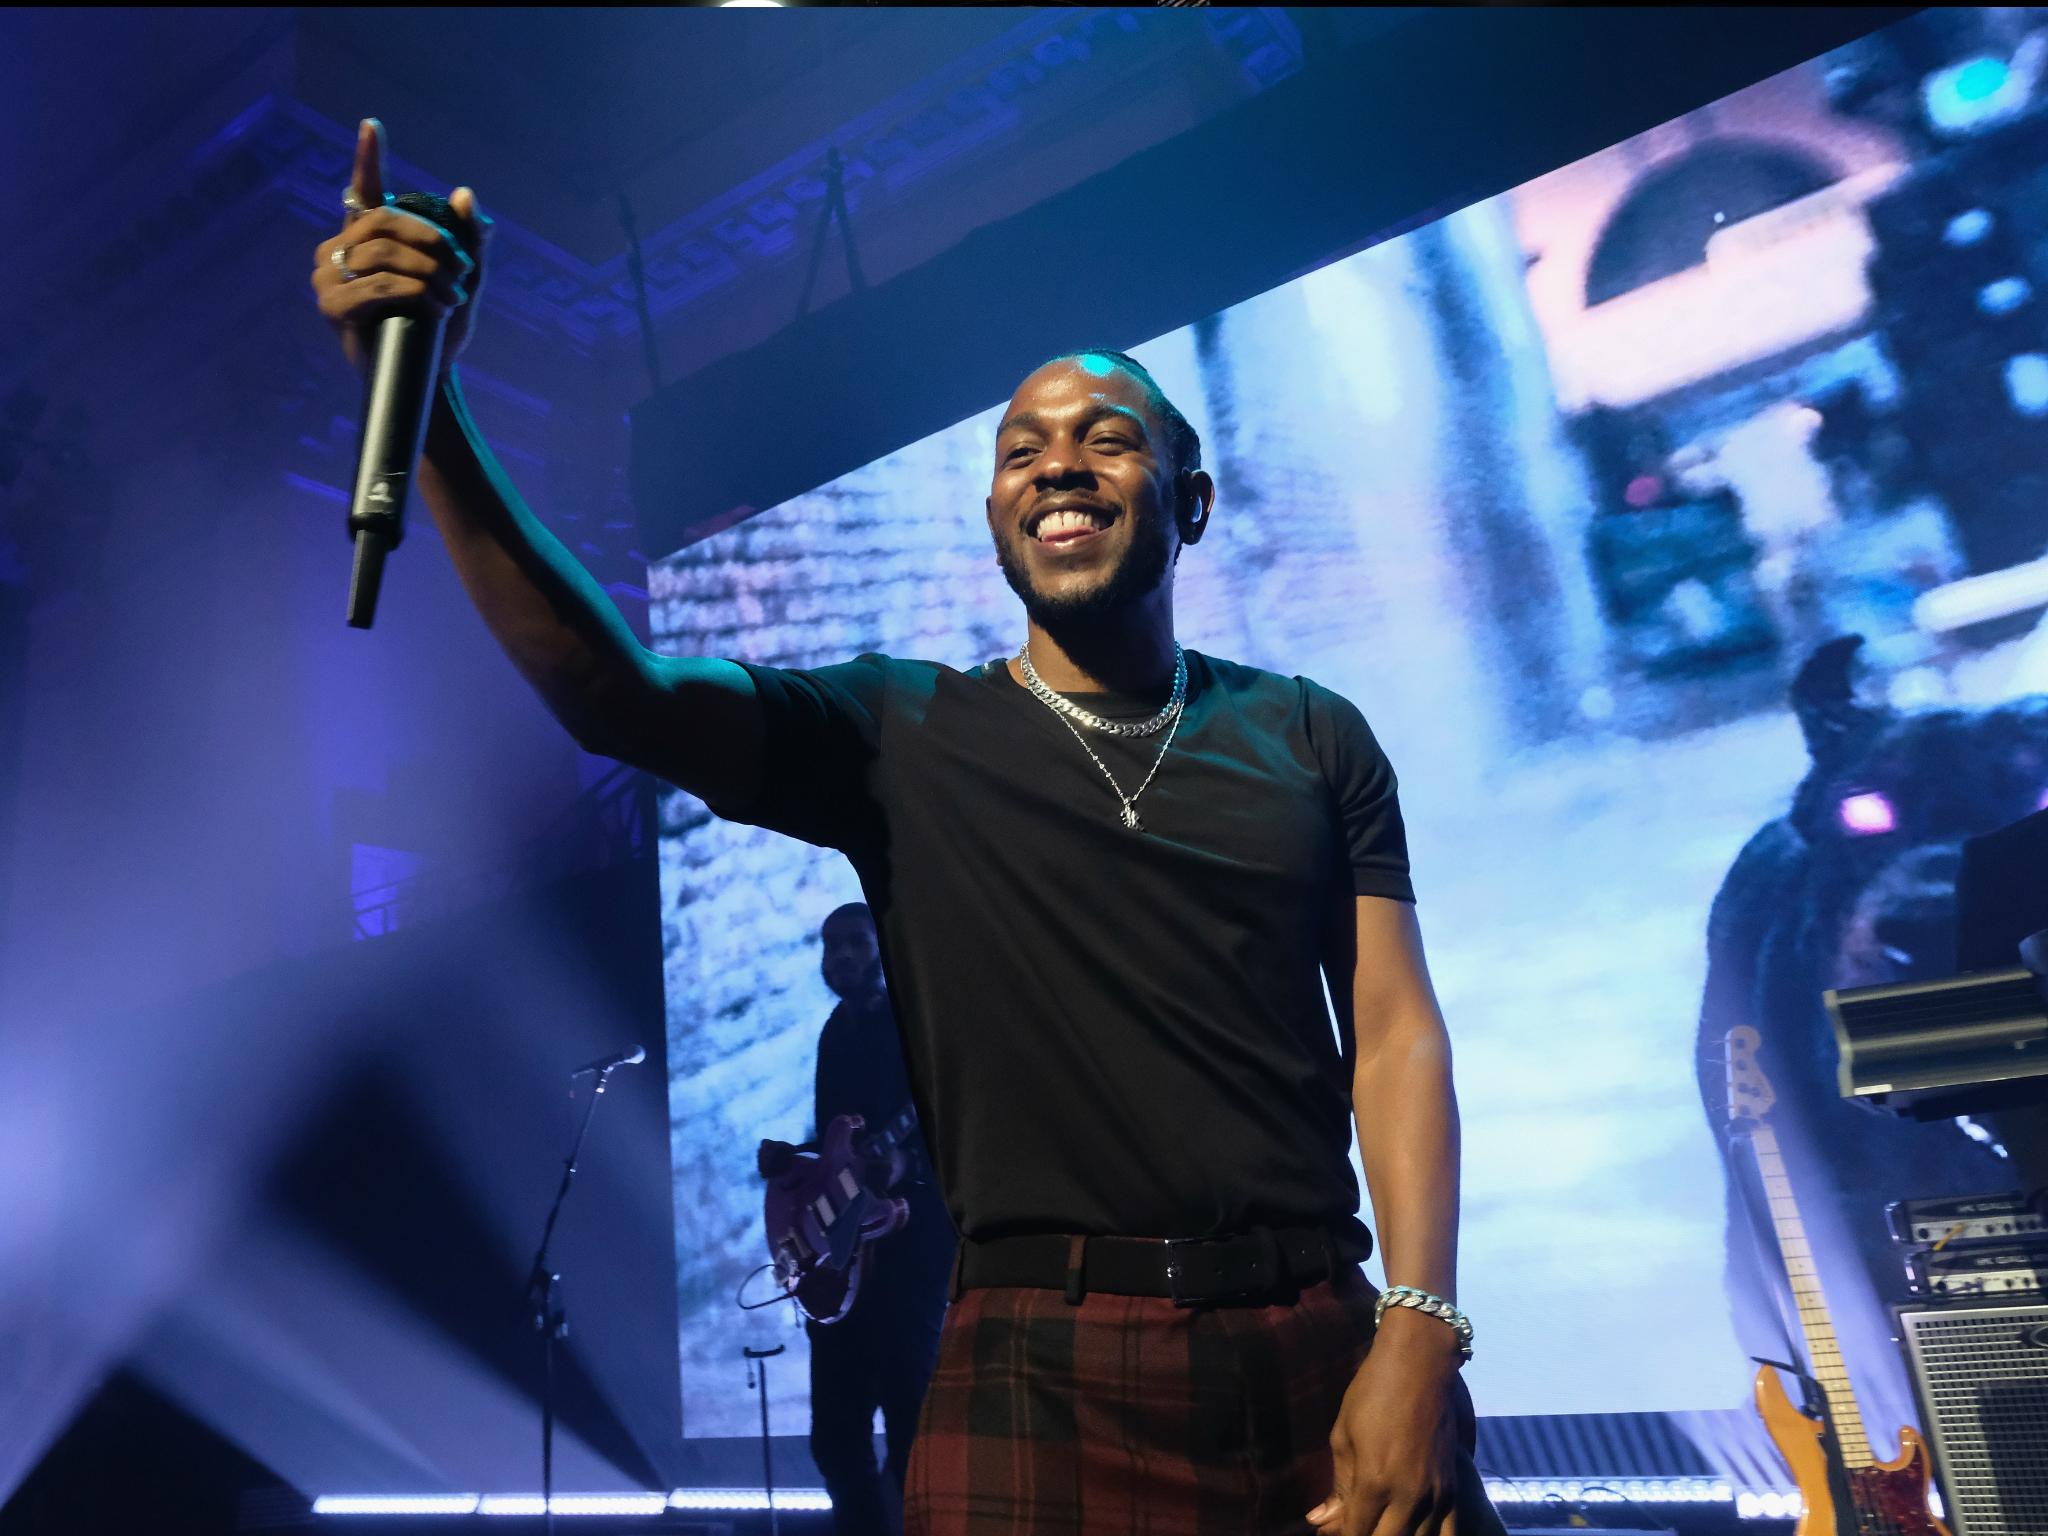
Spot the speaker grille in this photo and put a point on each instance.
(1983, 1379)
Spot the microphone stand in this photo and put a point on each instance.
(550, 1313)
(761, 1357)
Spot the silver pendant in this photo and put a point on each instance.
(1130, 818)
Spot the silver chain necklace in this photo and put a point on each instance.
(1073, 711)
(1068, 713)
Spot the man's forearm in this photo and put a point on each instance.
(552, 618)
(1408, 1142)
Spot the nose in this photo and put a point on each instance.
(1058, 466)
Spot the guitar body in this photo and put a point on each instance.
(1890, 1496)
(821, 1218)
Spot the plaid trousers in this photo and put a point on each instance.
(1128, 1415)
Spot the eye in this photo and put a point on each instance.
(1868, 814)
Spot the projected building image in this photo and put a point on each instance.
(1572, 492)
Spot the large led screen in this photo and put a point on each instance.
(1570, 492)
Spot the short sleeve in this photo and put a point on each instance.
(1366, 793)
(823, 727)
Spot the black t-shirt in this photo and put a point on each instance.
(1107, 1031)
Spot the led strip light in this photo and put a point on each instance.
(1757, 1504)
(723, 1500)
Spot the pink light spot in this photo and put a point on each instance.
(2042, 803)
(1642, 491)
(1868, 814)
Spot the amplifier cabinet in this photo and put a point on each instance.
(1981, 1372)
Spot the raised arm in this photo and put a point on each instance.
(695, 722)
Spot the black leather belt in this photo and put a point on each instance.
(1258, 1266)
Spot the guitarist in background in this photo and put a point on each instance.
(881, 1354)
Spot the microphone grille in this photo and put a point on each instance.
(436, 209)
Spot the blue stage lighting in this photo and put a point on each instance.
(1973, 94)
(2004, 295)
(1967, 228)
(1980, 79)
(2026, 383)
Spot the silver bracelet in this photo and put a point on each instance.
(1433, 1305)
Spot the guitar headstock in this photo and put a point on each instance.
(1750, 1095)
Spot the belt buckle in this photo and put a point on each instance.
(1265, 1271)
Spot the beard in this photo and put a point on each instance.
(855, 981)
(1135, 577)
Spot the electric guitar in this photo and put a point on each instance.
(1844, 1488)
(822, 1220)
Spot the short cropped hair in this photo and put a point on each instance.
(1183, 442)
(853, 910)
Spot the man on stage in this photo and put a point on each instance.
(1111, 878)
(879, 1357)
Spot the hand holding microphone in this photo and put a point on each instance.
(398, 284)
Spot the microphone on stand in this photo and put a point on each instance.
(405, 359)
(604, 1064)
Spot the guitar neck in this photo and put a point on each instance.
(1823, 1353)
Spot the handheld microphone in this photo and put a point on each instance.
(604, 1064)
(405, 360)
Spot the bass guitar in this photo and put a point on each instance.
(823, 1219)
(1844, 1489)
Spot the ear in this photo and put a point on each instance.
(1194, 500)
(1824, 698)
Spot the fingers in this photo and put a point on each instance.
(463, 201)
(384, 254)
(384, 240)
(1349, 1511)
(372, 298)
(480, 225)
(367, 182)
(1328, 1515)
(407, 229)
(1414, 1514)
(391, 276)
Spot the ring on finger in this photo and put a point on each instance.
(339, 256)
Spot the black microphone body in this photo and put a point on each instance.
(604, 1064)
(398, 397)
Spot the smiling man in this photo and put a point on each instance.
(1111, 878)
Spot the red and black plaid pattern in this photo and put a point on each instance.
(1128, 1415)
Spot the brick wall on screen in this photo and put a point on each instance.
(857, 566)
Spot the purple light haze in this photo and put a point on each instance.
(1868, 814)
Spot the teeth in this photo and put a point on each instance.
(1068, 521)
